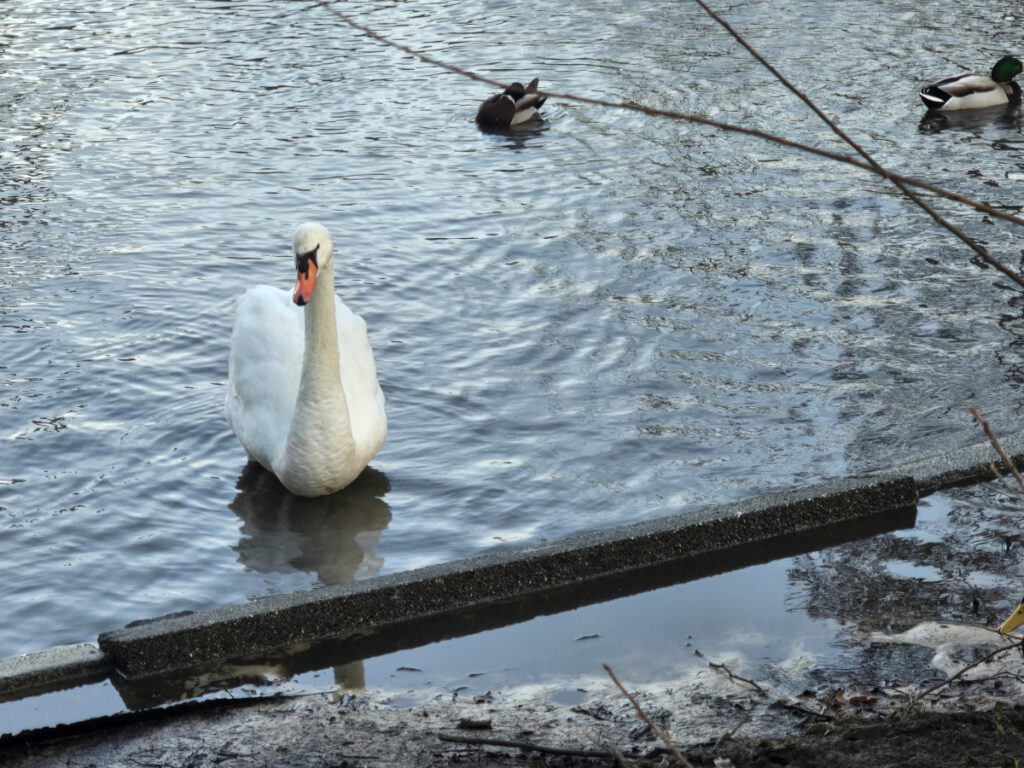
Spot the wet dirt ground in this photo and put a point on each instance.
(716, 718)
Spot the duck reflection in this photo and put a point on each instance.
(972, 120)
(332, 536)
(517, 138)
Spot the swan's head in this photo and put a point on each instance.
(313, 252)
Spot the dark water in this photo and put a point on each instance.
(603, 318)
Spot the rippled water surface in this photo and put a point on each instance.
(602, 318)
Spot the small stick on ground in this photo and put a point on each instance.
(984, 659)
(646, 718)
(765, 693)
(1007, 461)
(528, 746)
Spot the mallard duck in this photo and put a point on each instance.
(513, 106)
(302, 395)
(974, 91)
(1015, 620)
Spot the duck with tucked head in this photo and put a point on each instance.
(303, 396)
(975, 91)
(515, 105)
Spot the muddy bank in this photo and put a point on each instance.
(916, 740)
(716, 718)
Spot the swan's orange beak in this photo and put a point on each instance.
(304, 282)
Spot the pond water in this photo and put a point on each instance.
(602, 318)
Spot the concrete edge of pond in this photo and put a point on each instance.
(64, 664)
(958, 466)
(181, 641)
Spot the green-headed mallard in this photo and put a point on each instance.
(974, 91)
(515, 105)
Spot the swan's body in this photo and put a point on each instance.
(303, 396)
(975, 91)
(513, 106)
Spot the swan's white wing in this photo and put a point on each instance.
(359, 378)
(264, 368)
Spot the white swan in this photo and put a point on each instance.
(303, 396)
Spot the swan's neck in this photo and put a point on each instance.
(319, 443)
(321, 370)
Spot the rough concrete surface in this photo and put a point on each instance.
(191, 640)
(188, 640)
(64, 664)
(957, 467)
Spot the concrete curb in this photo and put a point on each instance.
(65, 664)
(961, 466)
(377, 606)
(179, 642)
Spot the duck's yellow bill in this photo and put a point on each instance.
(1015, 620)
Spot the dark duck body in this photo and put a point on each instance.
(515, 105)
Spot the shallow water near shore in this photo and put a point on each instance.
(599, 319)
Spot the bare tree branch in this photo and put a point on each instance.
(646, 718)
(1007, 461)
(914, 197)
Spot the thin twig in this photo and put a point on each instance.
(914, 197)
(1007, 461)
(620, 759)
(768, 695)
(762, 690)
(646, 718)
(984, 659)
(728, 127)
(997, 475)
(734, 677)
(528, 746)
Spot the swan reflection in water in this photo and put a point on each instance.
(331, 536)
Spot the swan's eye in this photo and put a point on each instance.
(302, 260)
